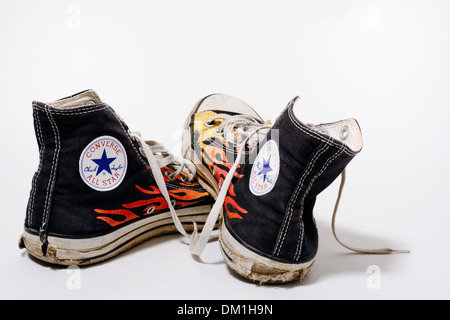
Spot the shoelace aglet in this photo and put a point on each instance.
(380, 251)
(400, 251)
(371, 251)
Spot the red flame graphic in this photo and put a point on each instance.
(216, 159)
(183, 198)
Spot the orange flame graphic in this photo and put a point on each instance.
(156, 204)
(217, 162)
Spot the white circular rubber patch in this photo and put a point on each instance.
(265, 170)
(103, 163)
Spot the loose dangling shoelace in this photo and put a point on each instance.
(333, 227)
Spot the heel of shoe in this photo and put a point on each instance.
(258, 268)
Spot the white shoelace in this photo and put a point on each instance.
(158, 157)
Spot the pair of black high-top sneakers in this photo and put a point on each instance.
(101, 189)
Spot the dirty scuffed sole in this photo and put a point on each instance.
(255, 267)
(87, 251)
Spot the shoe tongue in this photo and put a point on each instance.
(85, 98)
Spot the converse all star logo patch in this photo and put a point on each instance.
(103, 163)
(265, 170)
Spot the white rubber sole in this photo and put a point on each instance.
(255, 267)
(86, 251)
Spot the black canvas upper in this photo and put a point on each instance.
(60, 203)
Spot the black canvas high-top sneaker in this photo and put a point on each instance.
(265, 179)
(101, 189)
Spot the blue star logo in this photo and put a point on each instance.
(103, 163)
(265, 169)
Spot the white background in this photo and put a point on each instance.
(385, 63)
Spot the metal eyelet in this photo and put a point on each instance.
(344, 133)
(185, 180)
(210, 123)
(169, 175)
(150, 210)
